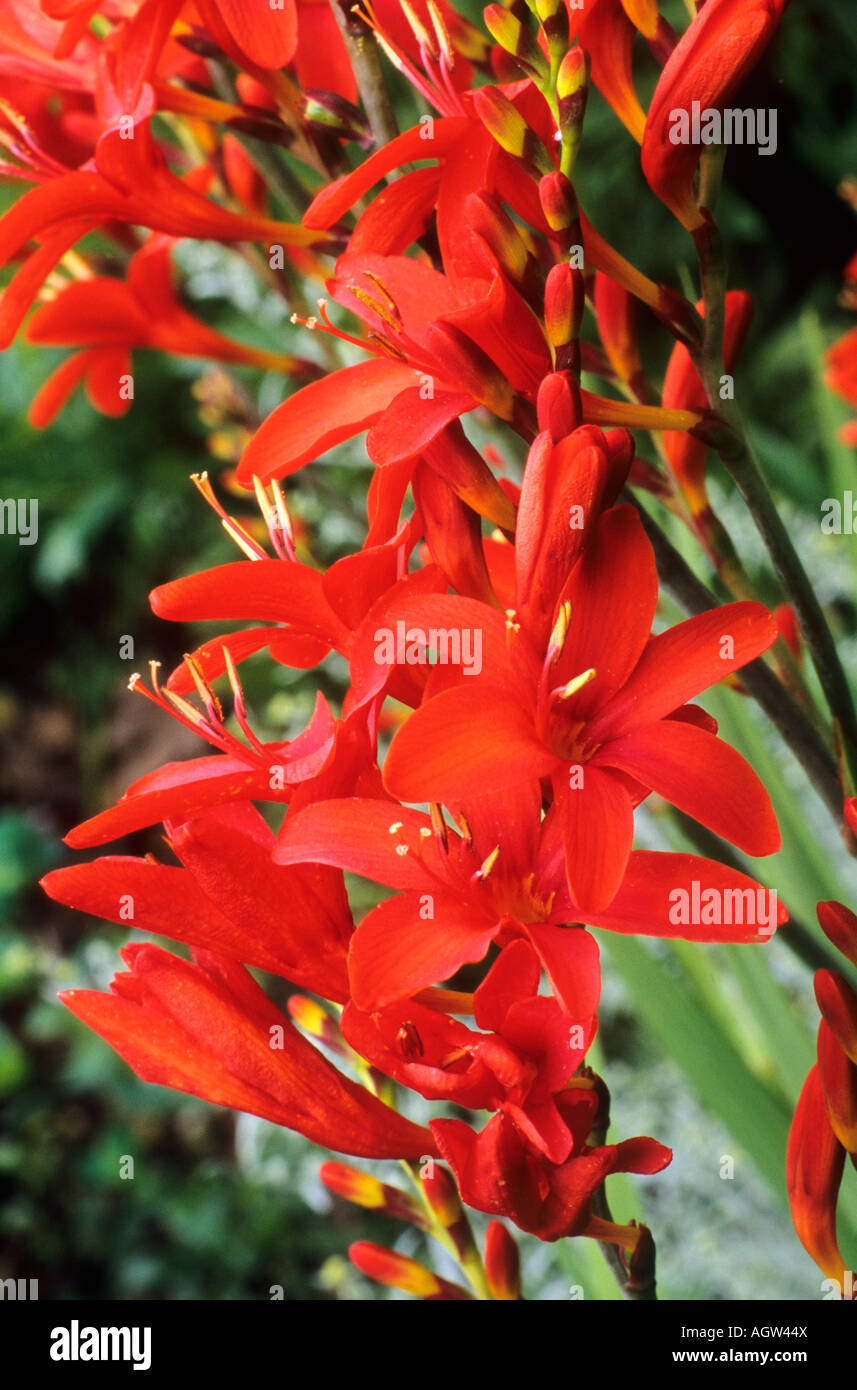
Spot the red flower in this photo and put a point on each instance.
(814, 1163)
(502, 878)
(707, 65)
(228, 897)
(207, 1028)
(600, 711)
(130, 183)
(108, 317)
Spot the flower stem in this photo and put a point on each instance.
(366, 64)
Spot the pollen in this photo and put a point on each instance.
(402, 850)
(396, 827)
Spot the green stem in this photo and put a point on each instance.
(366, 64)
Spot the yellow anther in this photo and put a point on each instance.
(577, 684)
(402, 850)
(559, 632)
(489, 862)
(396, 827)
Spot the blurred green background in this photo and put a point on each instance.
(703, 1048)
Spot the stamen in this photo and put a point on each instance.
(392, 320)
(464, 827)
(439, 827)
(421, 34)
(382, 288)
(402, 850)
(396, 827)
(559, 633)
(488, 863)
(576, 684)
(440, 29)
(213, 707)
(232, 528)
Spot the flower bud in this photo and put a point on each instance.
(512, 36)
(839, 1084)
(399, 1272)
(502, 1263)
(365, 1190)
(508, 127)
(838, 1004)
(814, 1162)
(472, 367)
(839, 925)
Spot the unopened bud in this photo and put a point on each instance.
(839, 925)
(486, 215)
(559, 202)
(512, 35)
(364, 1190)
(399, 1272)
(838, 1004)
(502, 1263)
(565, 295)
(317, 1022)
(508, 127)
(838, 1076)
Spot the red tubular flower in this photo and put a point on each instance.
(502, 1263)
(107, 317)
(838, 1075)
(503, 879)
(707, 65)
(603, 721)
(401, 1272)
(683, 388)
(207, 1028)
(607, 34)
(229, 897)
(839, 923)
(814, 1163)
(131, 184)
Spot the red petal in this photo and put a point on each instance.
(464, 738)
(397, 949)
(252, 591)
(646, 904)
(616, 575)
(321, 415)
(683, 661)
(355, 834)
(422, 142)
(570, 957)
(702, 776)
(598, 830)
